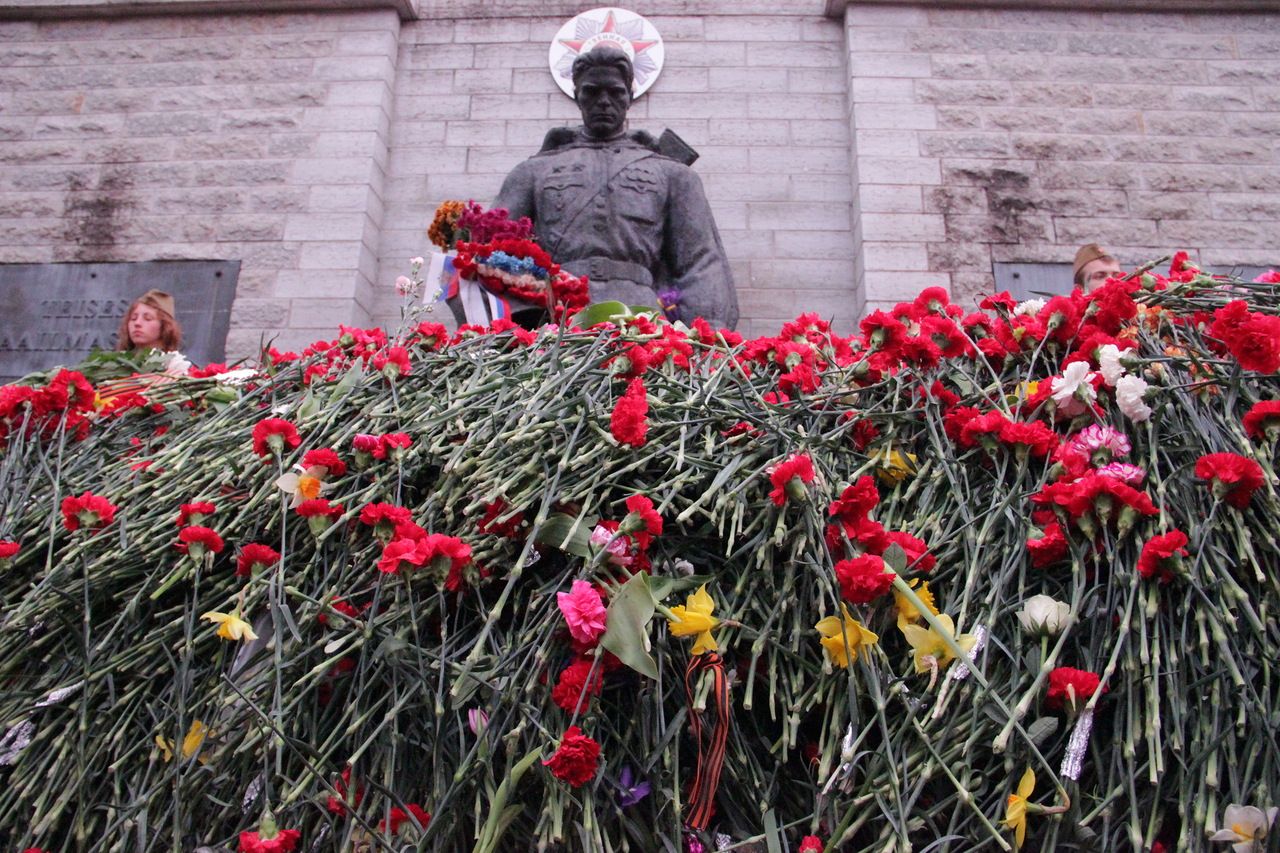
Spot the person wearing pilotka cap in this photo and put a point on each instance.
(1094, 265)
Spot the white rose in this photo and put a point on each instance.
(1041, 614)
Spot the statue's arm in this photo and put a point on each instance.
(517, 193)
(695, 256)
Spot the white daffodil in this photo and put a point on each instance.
(1247, 828)
(303, 486)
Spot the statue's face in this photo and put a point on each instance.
(603, 99)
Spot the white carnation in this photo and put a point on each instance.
(1072, 391)
(1109, 364)
(1129, 397)
(1031, 307)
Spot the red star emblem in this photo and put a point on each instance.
(610, 26)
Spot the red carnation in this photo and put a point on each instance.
(343, 608)
(194, 513)
(1254, 339)
(317, 507)
(399, 554)
(88, 511)
(983, 429)
(856, 501)
(863, 579)
(500, 509)
(395, 442)
(273, 435)
(384, 513)
(629, 422)
(1231, 476)
(576, 760)
(197, 540)
(400, 816)
(326, 457)
(1162, 555)
(572, 686)
(917, 550)
(642, 521)
(338, 805)
(1037, 438)
(254, 556)
(393, 362)
(370, 444)
(1049, 549)
(445, 556)
(283, 842)
(1068, 687)
(789, 477)
(7, 552)
(1263, 420)
(69, 390)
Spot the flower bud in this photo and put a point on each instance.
(1043, 615)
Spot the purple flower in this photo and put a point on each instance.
(669, 300)
(629, 794)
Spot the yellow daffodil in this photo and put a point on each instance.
(190, 744)
(895, 466)
(907, 612)
(304, 486)
(1016, 815)
(694, 617)
(230, 625)
(843, 637)
(930, 649)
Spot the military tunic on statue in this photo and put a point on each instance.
(635, 222)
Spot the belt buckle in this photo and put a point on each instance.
(597, 269)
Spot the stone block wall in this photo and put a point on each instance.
(1016, 135)
(853, 152)
(760, 95)
(252, 137)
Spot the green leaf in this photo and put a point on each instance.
(309, 406)
(559, 531)
(600, 312)
(501, 815)
(628, 617)
(895, 558)
(1042, 729)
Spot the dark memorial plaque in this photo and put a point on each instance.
(58, 313)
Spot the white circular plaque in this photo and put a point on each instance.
(625, 30)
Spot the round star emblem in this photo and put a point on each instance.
(619, 28)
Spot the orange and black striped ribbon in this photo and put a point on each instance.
(711, 744)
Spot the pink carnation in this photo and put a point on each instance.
(583, 610)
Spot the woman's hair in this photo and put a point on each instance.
(170, 331)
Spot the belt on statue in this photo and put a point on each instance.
(607, 269)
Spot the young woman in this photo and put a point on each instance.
(150, 324)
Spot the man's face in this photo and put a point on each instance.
(603, 99)
(1094, 273)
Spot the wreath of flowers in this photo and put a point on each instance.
(521, 268)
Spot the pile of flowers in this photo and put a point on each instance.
(963, 580)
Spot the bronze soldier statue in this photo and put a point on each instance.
(619, 207)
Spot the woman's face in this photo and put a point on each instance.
(144, 327)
